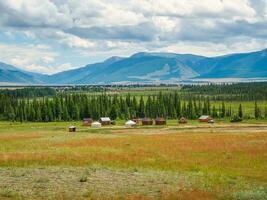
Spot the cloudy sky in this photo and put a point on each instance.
(49, 36)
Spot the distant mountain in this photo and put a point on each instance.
(140, 67)
(11, 74)
(245, 65)
(150, 67)
(77, 76)
(4, 66)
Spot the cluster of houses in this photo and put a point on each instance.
(105, 121)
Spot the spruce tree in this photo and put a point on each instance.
(240, 112)
(113, 112)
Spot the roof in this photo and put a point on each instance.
(204, 117)
(105, 119)
(146, 119)
(87, 119)
(160, 119)
(96, 123)
(72, 127)
(130, 122)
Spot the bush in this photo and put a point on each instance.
(236, 119)
(83, 179)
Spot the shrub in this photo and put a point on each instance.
(236, 118)
(83, 179)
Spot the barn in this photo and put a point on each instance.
(205, 118)
(87, 121)
(147, 121)
(105, 121)
(182, 120)
(160, 121)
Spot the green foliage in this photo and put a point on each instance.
(236, 118)
(30, 92)
(240, 112)
(219, 101)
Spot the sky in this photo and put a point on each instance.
(49, 36)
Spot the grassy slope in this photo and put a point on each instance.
(215, 161)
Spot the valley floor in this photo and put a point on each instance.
(194, 161)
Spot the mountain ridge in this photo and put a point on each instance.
(150, 67)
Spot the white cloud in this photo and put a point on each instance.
(27, 56)
(32, 13)
(66, 39)
(49, 69)
(101, 28)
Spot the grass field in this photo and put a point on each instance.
(194, 161)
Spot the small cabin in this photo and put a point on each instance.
(205, 118)
(96, 125)
(136, 120)
(182, 120)
(87, 121)
(72, 129)
(130, 124)
(147, 122)
(105, 121)
(211, 121)
(160, 121)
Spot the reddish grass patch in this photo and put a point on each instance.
(186, 195)
(13, 137)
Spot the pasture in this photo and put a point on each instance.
(193, 161)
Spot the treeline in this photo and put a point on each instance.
(225, 92)
(30, 92)
(65, 107)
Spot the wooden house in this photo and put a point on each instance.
(147, 121)
(72, 129)
(105, 121)
(211, 121)
(87, 121)
(205, 118)
(160, 121)
(182, 120)
(136, 120)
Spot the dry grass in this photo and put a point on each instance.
(13, 137)
(215, 161)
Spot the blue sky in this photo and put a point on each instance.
(50, 36)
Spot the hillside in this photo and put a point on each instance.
(11, 74)
(140, 67)
(246, 65)
(150, 67)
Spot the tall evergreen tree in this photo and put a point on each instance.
(240, 112)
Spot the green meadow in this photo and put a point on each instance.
(193, 161)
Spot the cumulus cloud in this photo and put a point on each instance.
(141, 32)
(101, 28)
(49, 69)
(26, 56)
(32, 13)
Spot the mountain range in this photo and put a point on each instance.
(149, 67)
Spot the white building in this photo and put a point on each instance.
(130, 124)
(96, 125)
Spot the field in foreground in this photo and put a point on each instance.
(221, 161)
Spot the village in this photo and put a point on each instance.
(134, 122)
